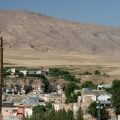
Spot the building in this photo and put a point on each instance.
(88, 96)
(34, 101)
(105, 99)
(12, 71)
(28, 111)
(24, 72)
(38, 72)
(59, 106)
(104, 86)
(9, 112)
(56, 98)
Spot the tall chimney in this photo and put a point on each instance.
(1, 69)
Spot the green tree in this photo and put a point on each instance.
(21, 74)
(78, 93)
(69, 88)
(79, 115)
(116, 95)
(38, 109)
(89, 84)
(46, 83)
(70, 115)
(97, 72)
(93, 110)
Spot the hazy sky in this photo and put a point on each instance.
(105, 12)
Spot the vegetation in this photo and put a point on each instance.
(5, 72)
(71, 97)
(116, 95)
(93, 110)
(43, 113)
(46, 83)
(79, 115)
(86, 73)
(97, 72)
(89, 85)
(78, 93)
(58, 72)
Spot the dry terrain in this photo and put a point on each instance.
(33, 39)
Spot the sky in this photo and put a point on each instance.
(102, 12)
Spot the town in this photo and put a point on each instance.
(26, 88)
(59, 60)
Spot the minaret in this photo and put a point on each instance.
(1, 68)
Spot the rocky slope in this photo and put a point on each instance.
(23, 30)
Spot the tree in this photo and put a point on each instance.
(74, 97)
(21, 74)
(46, 83)
(70, 115)
(78, 93)
(97, 72)
(38, 109)
(93, 110)
(69, 88)
(116, 95)
(79, 115)
(17, 72)
(49, 106)
(89, 84)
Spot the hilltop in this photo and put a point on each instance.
(27, 34)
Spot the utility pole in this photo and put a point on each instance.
(98, 107)
(1, 70)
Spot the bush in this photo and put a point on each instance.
(89, 85)
(78, 93)
(58, 72)
(97, 72)
(87, 73)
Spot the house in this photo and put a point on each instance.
(34, 101)
(105, 99)
(28, 111)
(24, 72)
(12, 70)
(59, 89)
(45, 70)
(59, 106)
(9, 112)
(104, 86)
(88, 96)
(38, 72)
(31, 72)
(57, 98)
(72, 106)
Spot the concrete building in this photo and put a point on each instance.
(105, 99)
(59, 106)
(34, 101)
(28, 111)
(88, 96)
(104, 86)
(24, 72)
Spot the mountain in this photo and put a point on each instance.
(23, 30)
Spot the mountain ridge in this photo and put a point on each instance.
(38, 32)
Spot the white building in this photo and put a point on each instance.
(38, 72)
(24, 72)
(105, 99)
(28, 111)
(104, 86)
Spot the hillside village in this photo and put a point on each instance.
(19, 99)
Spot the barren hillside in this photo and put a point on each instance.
(27, 31)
